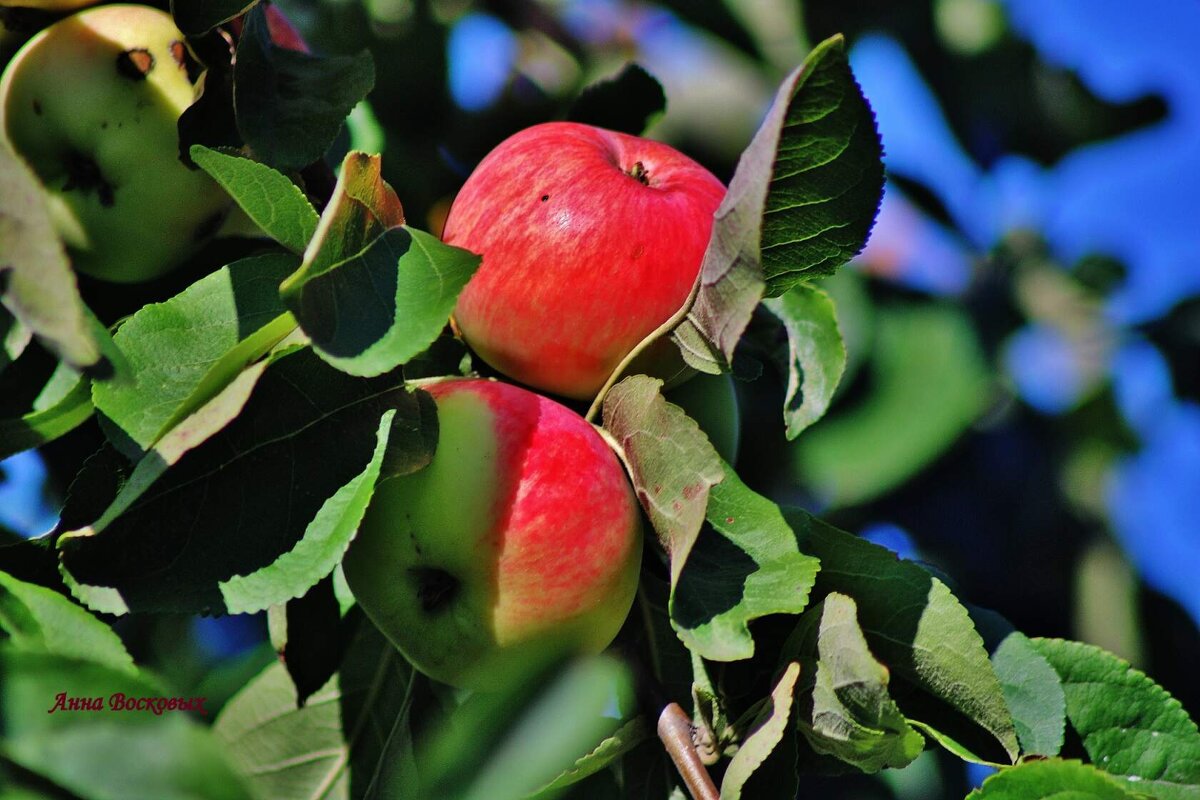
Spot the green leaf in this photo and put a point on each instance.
(366, 132)
(350, 739)
(106, 754)
(385, 305)
(372, 294)
(505, 745)
(929, 383)
(41, 620)
(852, 716)
(1034, 694)
(37, 284)
(827, 177)
(268, 197)
(1052, 779)
(712, 733)
(261, 511)
(624, 739)
(194, 431)
(362, 207)
(816, 354)
(195, 17)
(64, 404)
(186, 350)
(1130, 725)
(670, 460)
(14, 338)
(290, 105)
(626, 102)
(800, 204)
(919, 631)
(748, 565)
(765, 735)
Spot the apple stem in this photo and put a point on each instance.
(675, 731)
(657, 333)
(639, 173)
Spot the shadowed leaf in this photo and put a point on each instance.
(290, 105)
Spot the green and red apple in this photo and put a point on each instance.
(91, 103)
(522, 530)
(591, 239)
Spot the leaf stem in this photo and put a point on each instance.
(654, 336)
(675, 731)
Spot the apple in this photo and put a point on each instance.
(591, 239)
(48, 5)
(711, 400)
(523, 529)
(92, 102)
(283, 33)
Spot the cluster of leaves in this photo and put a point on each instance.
(249, 417)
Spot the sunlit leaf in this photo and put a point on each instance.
(917, 629)
(1034, 694)
(764, 736)
(187, 349)
(851, 715)
(268, 197)
(1051, 780)
(816, 354)
(1130, 726)
(670, 460)
(41, 620)
(746, 566)
(37, 284)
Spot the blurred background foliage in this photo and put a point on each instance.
(1021, 405)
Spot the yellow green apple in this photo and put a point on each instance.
(91, 103)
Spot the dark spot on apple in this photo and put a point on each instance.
(638, 173)
(436, 588)
(209, 226)
(545, 197)
(639, 251)
(179, 52)
(135, 64)
(37, 107)
(104, 125)
(84, 174)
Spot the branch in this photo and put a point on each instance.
(675, 731)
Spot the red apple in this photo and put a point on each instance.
(522, 529)
(283, 32)
(590, 240)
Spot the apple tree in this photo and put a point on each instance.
(484, 486)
